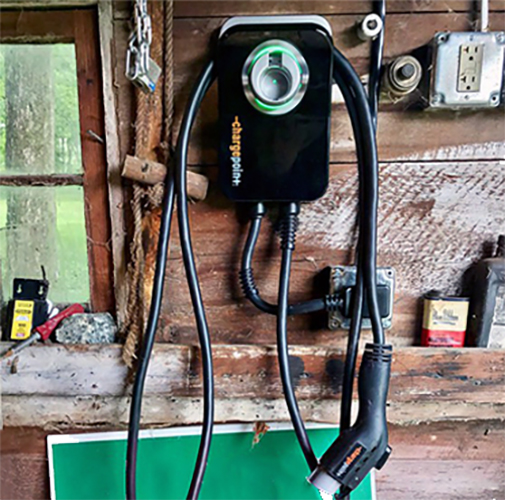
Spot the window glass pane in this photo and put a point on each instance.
(39, 110)
(45, 226)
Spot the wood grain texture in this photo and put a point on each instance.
(206, 8)
(435, 220)
(424, 135)
(115, 185)
(96, 200)
(75, 412)
(418, 375)
(42, 180)
(441, 480)
(199, 8)
(151, 172)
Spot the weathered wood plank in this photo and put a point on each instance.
(424, 135)
(115, 185)
(441, 480)
(454, 440)
(96, 199)
(471, 375)
(54, 412)
(39, 4)
(206, 8)
(435, 220)
(42, 180)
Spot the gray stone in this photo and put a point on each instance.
(97, 328)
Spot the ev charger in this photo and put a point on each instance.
(274, 78)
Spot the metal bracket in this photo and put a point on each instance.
(344, 277)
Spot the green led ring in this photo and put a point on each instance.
(259, 75)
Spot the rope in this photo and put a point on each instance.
(148, 197)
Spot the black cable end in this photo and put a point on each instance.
(247, 283)
(289, 225)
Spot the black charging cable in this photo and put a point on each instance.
(363, 125)
(148, 338)
(202, 85)
(248, 283)
(178, 184)
(287, 230)
(376, 56)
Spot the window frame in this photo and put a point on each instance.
(80, 27)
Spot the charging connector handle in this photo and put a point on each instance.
(365, 445)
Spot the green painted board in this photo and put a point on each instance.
(91, 466)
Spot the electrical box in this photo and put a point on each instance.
(342, 283)
(468, 70)
(274, 82)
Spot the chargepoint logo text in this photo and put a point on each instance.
(236, 152)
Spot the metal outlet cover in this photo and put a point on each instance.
(447, 67)
(343, 277)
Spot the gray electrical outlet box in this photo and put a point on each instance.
(468, 70)
(342, 283)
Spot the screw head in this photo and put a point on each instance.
(437, 98)
(442, 38)
(500, 37)
(495, 99)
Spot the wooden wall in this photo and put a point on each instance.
(442, 201)
(442, 181)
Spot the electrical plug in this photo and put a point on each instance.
(364, 446)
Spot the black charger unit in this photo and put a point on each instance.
(274, 78)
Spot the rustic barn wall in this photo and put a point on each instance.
(442, 181)
(442, 192)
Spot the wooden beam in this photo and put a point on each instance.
(96, 202)
(42, 180)
(18, 26)
(40, 4)
(206, 8)
(418, 374)
(54, 412)
(115, 186)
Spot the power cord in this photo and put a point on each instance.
(179, 184)
(148, 338)
(288, 227)
(374, 372)
(379, 8)
(247, 281)
(202, 85)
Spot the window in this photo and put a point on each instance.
(53, 180)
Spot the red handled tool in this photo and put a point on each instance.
(42, 332)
